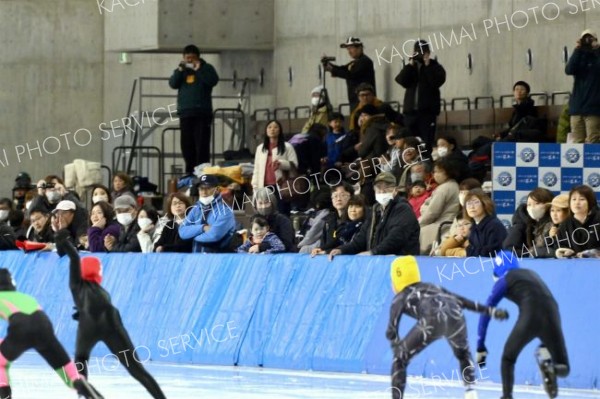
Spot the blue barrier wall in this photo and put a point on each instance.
(291, 311)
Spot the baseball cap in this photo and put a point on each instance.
(64, 205)
(208, 181)
(588, 32)
(124, 201)
(385, 177)
(351, 41)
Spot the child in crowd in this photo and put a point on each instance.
(334, 139)
(261, 235)
(418, 195)
(457, 245)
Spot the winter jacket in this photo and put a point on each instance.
(96, 236)
(274, 245)
(319, 116)
(194, 96)
(221, 220)
(45, 236)
(460, 163)
(260, 163)
(127, 240)
(357, 71)
(373, 142)
(335, 142)
(171, 241)
(417, 202)
(525, 234)
(422, 86)
(451, 247)
(7, 238)
(486, 237)
(564, 125)
(522, 110)
(584, 66)
(309, 148)
(282, 227)
(315, 234)
(579, 236)
(442, 206)
(390, 231)
(337, 232)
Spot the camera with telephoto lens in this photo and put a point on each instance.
(586, 42)
(326, 60)
(45, 185)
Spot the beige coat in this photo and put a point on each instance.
(260, 164)
(441, 207)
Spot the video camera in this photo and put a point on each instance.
(326, 60)
(45, 185)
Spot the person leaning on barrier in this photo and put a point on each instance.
(175, 211)
(359, 70)
(391, 229)
(584, 104)
(487, 231)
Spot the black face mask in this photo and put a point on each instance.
(6, 281)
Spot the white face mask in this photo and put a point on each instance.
(536, 212)
(461, 199)
(144, 222)
(3, 215)
(384, 198)
(416, 176)
(314, 101)
(442, 151)
(124, 218)
(206, 200)
(98, 198)
(53, 196)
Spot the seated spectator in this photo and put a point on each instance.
(334, 141)
(392, 228)
(102, 223)
(313, 229)
(345, 229)
(530, 224)
(6, 205)
(487, 231)
(578, 232)
(447, 148)
(373, 126)
(366, 96)
(20, 189)
(411, 157)
(147, 221)
(16, 218)
(464, 187)
(417, 197)
(65, 216)
(310, 149)
(318, 109)
(121, 185)
(441, 206)
(126, 210)
(524, 124)
(175, 212)
(100, 193)
(210, 223)
(40, 229)
(559, 212)
(260, 235)
(457, 244)
(265, 204)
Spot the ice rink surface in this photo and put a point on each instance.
(31, 378)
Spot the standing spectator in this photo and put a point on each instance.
(260, 235)
(127, 241)
(122, 185)
(318, 109)
(265, 204)
(22, 186)
(175, 211)
(102, 223)
(391, 229)
(273, 157)
(101, 193)
(147, 220)
(422, 78)
(584, 104)
(211, 222)
(487, 231)
(65, 216)
(194, 79)
(359, 70)
(334, 140)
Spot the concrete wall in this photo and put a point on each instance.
(51, 77)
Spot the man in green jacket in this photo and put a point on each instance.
(194, 79)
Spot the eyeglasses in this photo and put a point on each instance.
(473, 203)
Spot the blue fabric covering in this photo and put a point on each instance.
(292, 311)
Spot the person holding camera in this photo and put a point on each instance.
(422, 78)
(359, 70)
(194, 79)
(584, 104)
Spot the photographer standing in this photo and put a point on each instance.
(584, 104)
(422, 78)
(359, 70)
(194, 79)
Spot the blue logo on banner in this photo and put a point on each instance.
(572, 155)
(594, 180)
(527, 154)
(550, 179)
(504, 178)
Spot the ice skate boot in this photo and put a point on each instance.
(5, 393)
(471, 393)
(86, 390)
(544, 361)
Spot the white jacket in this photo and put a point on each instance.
(260, 164)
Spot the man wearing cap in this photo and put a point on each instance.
(211, 222)
(391, 229)
(359, 70)
(127, 241)
(194, 80)
(65, 216)
(422, 78)
(584, 104)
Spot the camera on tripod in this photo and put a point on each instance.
(326, 60)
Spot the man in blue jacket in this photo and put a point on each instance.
(194, 79)
(584, 104)
(211, 222)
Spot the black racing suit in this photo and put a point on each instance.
(99, 321)
(538, 318)
(439, 313)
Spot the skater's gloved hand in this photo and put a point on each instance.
(391, 333)
(75, 315)
(564, 252)
(498, 314)
(481, 356)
